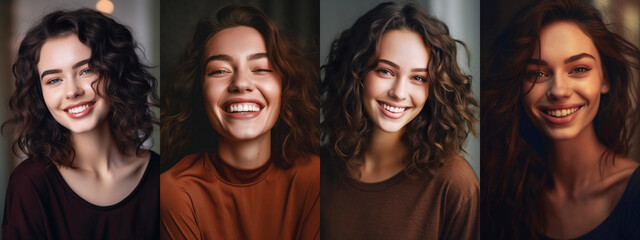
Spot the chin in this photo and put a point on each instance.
(389, 127)
(561, 135)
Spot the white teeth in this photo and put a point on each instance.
(393, 109)
(244, 107)
(562, 112)
(78, 109)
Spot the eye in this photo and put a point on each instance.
(384, 72)
(419, 78)
(580, 70)
(217, 72)
(85, 71)
(54, 81)
(537, 76)
(263, 70)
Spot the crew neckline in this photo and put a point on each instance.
(233, 176)
(375, 186)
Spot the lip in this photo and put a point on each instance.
(80, 114)
(560, 120)
(389, 113)
(241, 115)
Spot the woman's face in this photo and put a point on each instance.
(66, 81)
(396, 90)
(565, 90)
(241, 91)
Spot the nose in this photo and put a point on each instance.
(73, 89)
(241, 82)
(398, 90)
(560, 87)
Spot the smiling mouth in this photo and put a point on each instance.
(392, 108)
(79, 110)
(243, 108)
(559, 113)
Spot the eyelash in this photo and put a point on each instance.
(85, 71)
(388, 72)
(54, 81)
(584, 70)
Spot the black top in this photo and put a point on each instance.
(624, 220)
(40, 205)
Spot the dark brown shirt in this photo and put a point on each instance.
(438, 204)
(40, 205)
(201, 201)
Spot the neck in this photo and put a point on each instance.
(575, 162)
(384, 155)
(245, 154)
(95, 150)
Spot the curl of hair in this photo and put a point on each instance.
(438, 132)
(514, 172)
(129, 89)
(185, 127)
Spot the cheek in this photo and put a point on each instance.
(211, 92)
(533, 93)
(421, 94)
(373, 87)
(51, 98)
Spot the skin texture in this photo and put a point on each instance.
(564, 81)
(100, 173)
(238, 71)
(399, 80)
(584, 192)
(70, 83)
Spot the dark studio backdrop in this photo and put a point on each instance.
(622, 17)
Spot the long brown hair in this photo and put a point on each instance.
(514, 170)
(185, 127)
(440, 129)
(129, 87)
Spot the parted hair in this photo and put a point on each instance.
(441, 128)
(185, 127)
(129, 89)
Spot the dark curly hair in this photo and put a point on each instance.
(514, 168)
(185, 127)
(129, 88)
(438, 132)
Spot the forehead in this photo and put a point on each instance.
(235, 41)
(564, 39)
(403, 47)
(62, 52)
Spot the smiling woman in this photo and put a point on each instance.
(245, 135)
(81, 111)
(397, 110)
(559, 105)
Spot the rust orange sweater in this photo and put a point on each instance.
(203, 198)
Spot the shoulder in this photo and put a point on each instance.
(306, 173)
(457, 178)
(189, 165)
(30, 171)
(184, 175)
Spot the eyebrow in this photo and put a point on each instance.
(568, 60)
(224, 57)
(390, 63)
(577, 57)
(52, 71)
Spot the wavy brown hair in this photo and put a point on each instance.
(129, 89)
(438, 132)
(185, 127)
(514, 168)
